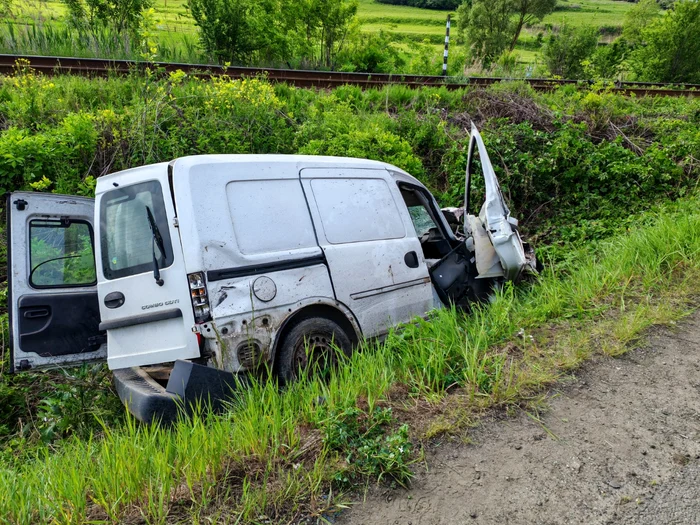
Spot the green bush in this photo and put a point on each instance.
(670, 49)
(607, 61)
(572, 161)
(371, 53)
(564, 54)
(373, 144)
(255, 32)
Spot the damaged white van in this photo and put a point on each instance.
(182, 274)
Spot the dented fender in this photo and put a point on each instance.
(249, 340)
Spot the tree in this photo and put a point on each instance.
(241, 31)
(607, 61)
(565, 53)
(120, 15)
(670, 49)
(529, 12)
(270, 31)
(492, 26)
(637, 19)
(488, 27)
(335, 19)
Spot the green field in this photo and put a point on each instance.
(174, 30)
(592, 12)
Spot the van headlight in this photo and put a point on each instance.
(200, 299)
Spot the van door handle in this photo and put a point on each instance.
(35, 314)
(114, 300)
(411, 259)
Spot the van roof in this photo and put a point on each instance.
(297, 162)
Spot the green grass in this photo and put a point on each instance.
(276, 454)
(176, 33)
(589, 12)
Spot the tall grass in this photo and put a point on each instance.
(269, 455)
(57, 39)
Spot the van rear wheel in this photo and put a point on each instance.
(313, 346)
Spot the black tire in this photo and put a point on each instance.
(309, 347)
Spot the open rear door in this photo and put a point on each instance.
(54, 311)
(495, 234)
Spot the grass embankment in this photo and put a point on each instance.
(278, 454)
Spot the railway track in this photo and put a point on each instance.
(319, 79)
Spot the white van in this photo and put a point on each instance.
(182, 273)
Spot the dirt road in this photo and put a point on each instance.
(620, 444)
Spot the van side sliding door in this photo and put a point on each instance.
(54, 311)
(375, 259)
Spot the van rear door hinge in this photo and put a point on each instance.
(20, 204)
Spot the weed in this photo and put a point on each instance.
(368, 451)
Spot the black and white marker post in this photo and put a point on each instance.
(447, 45)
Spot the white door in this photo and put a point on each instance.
(374, 257)
(53, 305)
(498, 224)
(145, 297)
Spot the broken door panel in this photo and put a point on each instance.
(494, 217)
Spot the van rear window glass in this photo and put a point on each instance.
(125, 233)
(60, 254)
(270, 216)
(355, 210)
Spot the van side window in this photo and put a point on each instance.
(61, 254)
(270, 216)
(356, 210)
(432, 239)
(422, 221)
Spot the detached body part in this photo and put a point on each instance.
(184, 274)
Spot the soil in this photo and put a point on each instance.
(619, 443)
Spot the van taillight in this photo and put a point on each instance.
(200, 300)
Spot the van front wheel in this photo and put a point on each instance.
(311, 347)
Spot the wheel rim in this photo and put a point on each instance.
(314, 351)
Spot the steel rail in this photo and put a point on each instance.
(320, 79)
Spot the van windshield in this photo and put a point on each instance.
(125, 233)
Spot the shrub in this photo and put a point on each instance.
(369, 450)
(372, 143)
(241, 31)
(564, 54)
(371, 53)
(274, 31)
(671, 46)
(606, 61)
(120, 20)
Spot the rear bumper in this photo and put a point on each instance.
(190, 386)
(146, 399)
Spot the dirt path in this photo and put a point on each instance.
(620, 444)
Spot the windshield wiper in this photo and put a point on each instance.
(157, 240)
